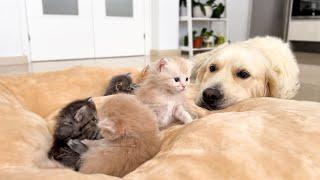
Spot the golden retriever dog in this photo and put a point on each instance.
(259, 67)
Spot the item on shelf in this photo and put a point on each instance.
(185, 40)
(183, 8)
(208, 37)
(202, 10)
(219, 40)
(209, 42)
(197, 40)
(218, 10)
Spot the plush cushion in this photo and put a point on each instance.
(262, 138)
(44, 92)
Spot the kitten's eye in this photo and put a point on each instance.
(176, 79)
(187, 79)
(243, 74)
(213, 68)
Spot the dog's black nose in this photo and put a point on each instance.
(211, 95)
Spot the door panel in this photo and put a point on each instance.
(75, 29)
(60, 29)
(119, 8)
(60, 7)
(118, 27)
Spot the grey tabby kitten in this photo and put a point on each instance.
(122, 83)
(78, 121)
(75, 122)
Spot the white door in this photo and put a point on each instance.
(118, 27)
(60, 29)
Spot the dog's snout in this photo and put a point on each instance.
(212, 95)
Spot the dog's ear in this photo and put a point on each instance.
(282, 83)
(266, 88)
(283, 71)
(190, 63)
(201, 72)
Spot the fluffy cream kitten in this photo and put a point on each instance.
(163, 90)
(130, 137)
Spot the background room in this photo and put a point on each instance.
(159, 89)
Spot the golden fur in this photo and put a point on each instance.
(130, 137)
(270, 62)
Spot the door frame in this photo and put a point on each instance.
(26, 32)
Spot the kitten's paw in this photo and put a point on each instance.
(182, 115)
(77, 146)
(90, 131)
(188, 118)
(86, 142)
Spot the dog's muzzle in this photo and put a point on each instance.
(212, 98)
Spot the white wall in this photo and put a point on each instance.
(165, 24)
(239, 17)
(155, 24)
(12, 28)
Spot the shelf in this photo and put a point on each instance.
(186, 48)
(185, 18)
(188, 23)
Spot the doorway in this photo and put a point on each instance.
(77, 29)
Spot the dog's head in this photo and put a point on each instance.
(239, 71)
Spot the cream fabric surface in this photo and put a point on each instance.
(262, 138)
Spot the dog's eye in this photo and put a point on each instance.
(212, 68)
(243, 74)
(176, 79)
(187, 79)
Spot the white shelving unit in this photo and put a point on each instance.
(185, 18)
(191, 21)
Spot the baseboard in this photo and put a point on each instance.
(171, 52)
(304, 46)
(13, 60)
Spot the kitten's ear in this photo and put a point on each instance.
(91, 103)
(81, 113)
(111, 130)
(90, 100)
(128, 74)
(162, 63)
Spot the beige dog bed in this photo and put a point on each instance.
(261, 138)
